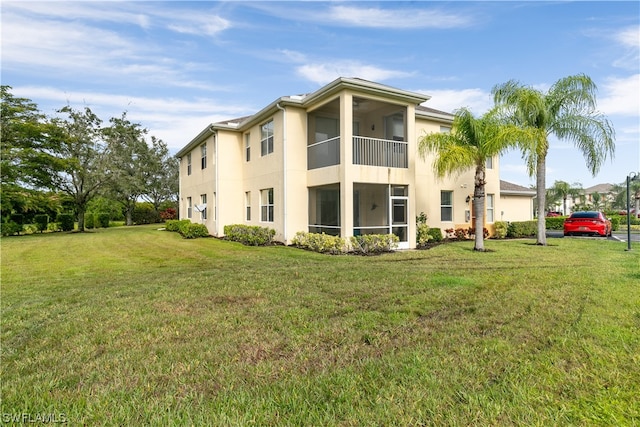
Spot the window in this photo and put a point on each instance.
(203, 206)
(247, 146)
(490, 207)
(203, 150)
(266, 205)
(266, 141)
(489, 163)
(189, 164)
(446, 206)
(247, 205)
(189, 207)
(445, 129)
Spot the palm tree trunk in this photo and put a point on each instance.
(541, 167)
(478, 208)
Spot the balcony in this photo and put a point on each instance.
(380, 152)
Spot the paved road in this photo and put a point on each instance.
(620, 236)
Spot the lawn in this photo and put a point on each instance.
(135, 326)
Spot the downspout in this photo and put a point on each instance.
(284, 173)
(215, 199)
(180, 188)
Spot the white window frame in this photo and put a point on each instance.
(189, 207)
(189, 164)
(203, 158)
(490, 201)
(266, 138)
(247, 147)
(489, 163)
(203, 200)
(266, 205)
(443, 206)
(247, 206)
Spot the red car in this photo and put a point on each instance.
(587, 222)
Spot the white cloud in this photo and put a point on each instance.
(476, 100)
(395, 18)
(322, 73)
(629, 39)
(621, 96)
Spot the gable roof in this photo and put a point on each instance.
(600, 188)
(509, 188)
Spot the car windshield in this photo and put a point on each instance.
(584, 215)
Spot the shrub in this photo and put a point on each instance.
(17, 218)
(374, 243)
(41, 221)
(458, 233)
(520, 229)
(66, 221)
(193, 231)
(472, 232)
(249, 235)
(435, 234)
(175, 224)
(168, 214)
(322, 243)
(10, 228)
(555, 222)
(422, 230)
(500, 229)
(102, 220)
(145, 213)
(89, 220)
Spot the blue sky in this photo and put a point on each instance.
(177, 66)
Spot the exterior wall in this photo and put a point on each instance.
(200, 181)
(515, 208)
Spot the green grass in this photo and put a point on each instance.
(135, 326)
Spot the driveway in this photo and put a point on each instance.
(620, 236)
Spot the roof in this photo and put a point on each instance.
(600, 188)
(341, 83)
(509, 188)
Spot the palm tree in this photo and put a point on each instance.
(562, 190)
(568, 111)
(471, 142)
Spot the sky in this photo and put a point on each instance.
(175, 67)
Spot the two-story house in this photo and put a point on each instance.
(342, 160)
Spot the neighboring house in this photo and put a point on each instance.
(342, 160)
(516, 202)
(599, 197)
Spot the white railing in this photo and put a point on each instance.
(380, 152)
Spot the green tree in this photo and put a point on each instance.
(471, 142)
(562, 190)
(128, 160)
(25, 162)
(568, 111)
(81, 168)
(161, 175)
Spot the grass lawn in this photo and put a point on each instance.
(135, 326)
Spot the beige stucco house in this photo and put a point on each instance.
(342, 160)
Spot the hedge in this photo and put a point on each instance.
(41, 221)
(249, 235)
(320, 242)
(66, 221)
(374, 243)
(521, 229)
(193, 231)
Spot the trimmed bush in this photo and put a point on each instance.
(555, 222)
(521, 229)
(41, 221)
(17, 218)
(500, 229)
(374, 243)
(175, 224)
(435, 235)
(145, 213)
(249, 235)
(320, 242)
(66, 221)
(193, 231)
(102, 220)
(89, 220)
(10, 228)
(422, 235)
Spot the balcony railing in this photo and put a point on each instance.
(323, 153)
(366, 151)
(380, 152)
